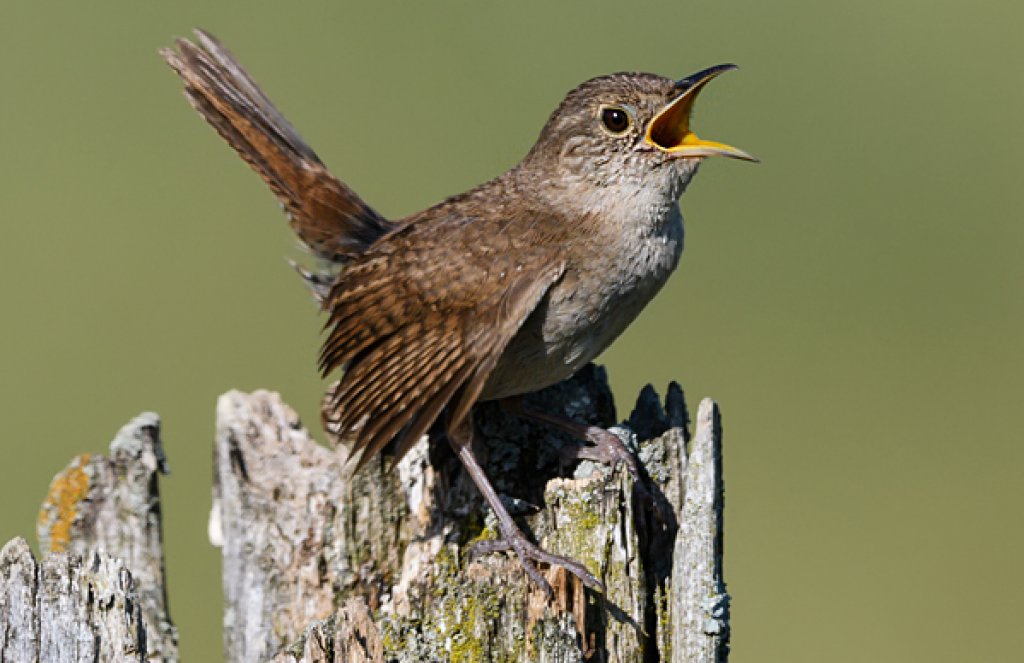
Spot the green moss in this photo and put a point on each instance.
(664, 624)
(474, 530)
(486, 533)
(458, 625)
(584, 511)
(467, 621)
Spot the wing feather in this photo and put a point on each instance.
(392, 423)
(380, 395)
(516, 304)
(417, 330)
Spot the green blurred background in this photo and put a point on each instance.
(853, 303)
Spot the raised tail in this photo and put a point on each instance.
(326, 215)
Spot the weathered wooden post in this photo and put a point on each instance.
(321, 566)
(98, 594)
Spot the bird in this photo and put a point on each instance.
(488, 295)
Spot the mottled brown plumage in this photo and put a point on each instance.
(494, 293)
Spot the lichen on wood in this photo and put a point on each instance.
(306, 542)
(108, 507)
(98, 593)
(322, 565)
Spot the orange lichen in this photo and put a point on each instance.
(61, 504)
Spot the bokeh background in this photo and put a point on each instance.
(854, 303)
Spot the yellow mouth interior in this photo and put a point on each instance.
(670, 132)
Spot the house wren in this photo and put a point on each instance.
(494, 293)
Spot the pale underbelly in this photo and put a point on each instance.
(531, 363)
(575, 323)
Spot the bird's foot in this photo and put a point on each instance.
(604, 447)
(601, 446)
(608, 448)
(530, 554)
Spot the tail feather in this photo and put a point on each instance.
(327, 216)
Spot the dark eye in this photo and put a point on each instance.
(615, 119)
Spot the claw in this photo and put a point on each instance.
(461, 439)
(604, 447)
(488, 546)
(528, 553)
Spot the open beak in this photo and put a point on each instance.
(669, 131)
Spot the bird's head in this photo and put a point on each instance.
(628, 129)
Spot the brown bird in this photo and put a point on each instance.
(497, 292)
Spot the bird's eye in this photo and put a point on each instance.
(615, 119)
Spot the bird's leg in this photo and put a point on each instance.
(461, 439)
(605, 447)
